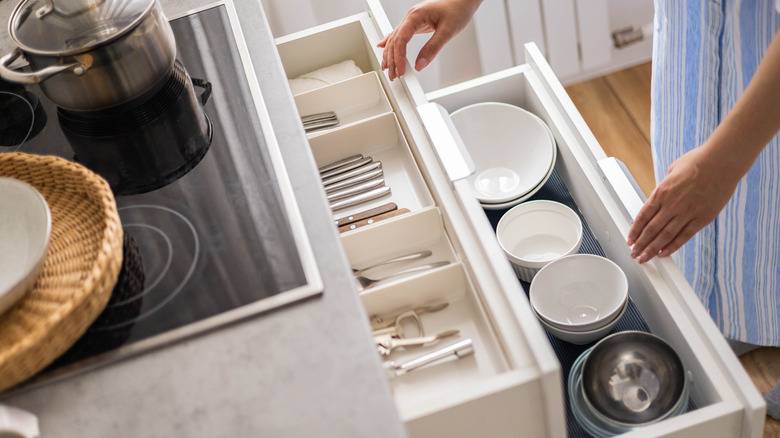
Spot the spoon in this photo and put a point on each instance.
(404, 258)
(366, 282)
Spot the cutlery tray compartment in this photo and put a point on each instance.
(352, 100)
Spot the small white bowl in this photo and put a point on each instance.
(579, 292)
(583, 337)
(511, 149)
(25, 228)
(535, 233)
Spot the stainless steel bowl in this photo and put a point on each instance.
(633, 378)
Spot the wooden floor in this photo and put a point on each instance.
(617, 109)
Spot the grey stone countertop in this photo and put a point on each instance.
(309, 369)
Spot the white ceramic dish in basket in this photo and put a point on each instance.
(25, 228)
(535, 233)
(579, 292)
(512, 149)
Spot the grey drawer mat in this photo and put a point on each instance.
(555, 190)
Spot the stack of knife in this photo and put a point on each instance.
(320, 120)
(352, 181)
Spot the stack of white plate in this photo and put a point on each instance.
(513, 150)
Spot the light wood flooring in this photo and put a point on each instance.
(617, 109)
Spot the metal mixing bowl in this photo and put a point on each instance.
(633, 378)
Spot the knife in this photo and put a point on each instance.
(339, 163)
(318, 117)
(346, 167)
(354, 172)
(356, 190)
(373, 220)
(354, 180)
(361, 198)
(365, 214)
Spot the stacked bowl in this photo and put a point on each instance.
(513, 150)
(579, 298)
(627, 380)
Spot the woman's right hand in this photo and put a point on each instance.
(445, 18)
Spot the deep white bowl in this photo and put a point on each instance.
(579, 292)
(25, 227)
(584, 336)
(511, 149)
(535, 233)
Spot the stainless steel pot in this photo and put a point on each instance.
(89, 55)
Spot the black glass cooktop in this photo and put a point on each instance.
(219, 236)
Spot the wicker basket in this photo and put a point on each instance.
(80, 269)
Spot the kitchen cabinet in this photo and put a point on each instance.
(513, 385)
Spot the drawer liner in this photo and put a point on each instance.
(555, 190)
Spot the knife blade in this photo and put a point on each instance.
(346, 167)
(354, 172)
(361, 198)
(356, 190)
(339, 163)
(354, 181)
(318, 116)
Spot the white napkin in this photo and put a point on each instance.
(324, 76)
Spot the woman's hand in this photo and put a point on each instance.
(696, 188)
(445, 18)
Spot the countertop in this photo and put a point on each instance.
(309, 369)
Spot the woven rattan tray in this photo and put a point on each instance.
(80, 269)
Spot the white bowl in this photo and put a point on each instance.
(579, 292)
(535, 233)
(511, 148)
(586, 336)
(25, 227)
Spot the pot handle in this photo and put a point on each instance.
(206, 85)
(33, 77)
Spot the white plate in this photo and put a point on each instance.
(25, 227)
(511, 148)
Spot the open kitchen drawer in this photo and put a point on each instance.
(513, 385)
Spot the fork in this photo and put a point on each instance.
(366, 282)
(404, 258)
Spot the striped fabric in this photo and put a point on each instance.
(705, 53)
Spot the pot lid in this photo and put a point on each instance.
(59, 27)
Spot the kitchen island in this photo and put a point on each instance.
(310, 368)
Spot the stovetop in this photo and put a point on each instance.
(224, 241)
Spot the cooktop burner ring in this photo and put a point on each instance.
(153, 288)
(32, 117)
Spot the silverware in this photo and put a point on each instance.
(354, 172)
(318, 116)
(357, 217)
(361, 198)
(356, 190)
(366, 282)
(346, 167)
(319, 120)
(339, 163)
(457, 350)
(363, 177)
(404, 258)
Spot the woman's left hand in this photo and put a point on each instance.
(696, 188)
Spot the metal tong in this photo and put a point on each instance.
(389, 333)
(453, 351)
(319, 120)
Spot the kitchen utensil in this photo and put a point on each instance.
(346, 167)
(361, 198)
(363, 215)
(366, 282)
(511, 148)
(106, 54)
(357, 179)
(457, 350)
(535, 233)
(25, 228)
(320, 120)
(419, 255)
(339, 163)
(633, 378)
(355, 190)
(352, 173)
(373, 219)
(386, 345)
(579, 292)
(382, 322)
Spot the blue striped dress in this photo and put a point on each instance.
(705, 53)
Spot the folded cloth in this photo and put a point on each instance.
(324, 76)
